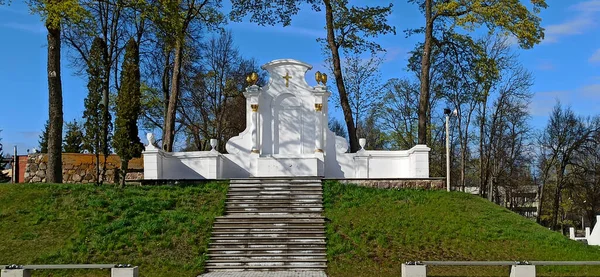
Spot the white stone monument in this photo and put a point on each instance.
(286, 135)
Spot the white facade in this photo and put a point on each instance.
(286, 135)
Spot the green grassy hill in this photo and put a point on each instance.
(164, 230)
(371, 232)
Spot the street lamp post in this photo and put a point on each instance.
(447, 113)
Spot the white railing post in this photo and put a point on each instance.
(124, 272)
(15, 273)
(522, 271)
(414, 270)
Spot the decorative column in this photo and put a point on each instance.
(319, 127)
(320, 93)
(251, 95)
(254, 128)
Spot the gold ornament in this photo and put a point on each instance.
(318, 107)
(252, 79)
(287, 78)
(254, 107)
(318, 77)
(324, 79)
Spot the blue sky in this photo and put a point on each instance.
(566, 65)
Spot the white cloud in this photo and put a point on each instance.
(583, 21)
(583, 97)
(543, 102)
(593, 5)
(545, 65)
(293, 30)
(30, 28)
(591, 91)
(595, 58)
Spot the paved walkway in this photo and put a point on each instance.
(265, 274)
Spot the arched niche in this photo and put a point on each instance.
(293, 126)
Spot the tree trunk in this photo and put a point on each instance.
(538, 218)
(482, 184)
(339, 79)
(123, 172)
(559, 181)
(105, 114)
(425, 69)
(54, 171)
(169, 131)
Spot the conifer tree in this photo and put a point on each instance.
(44, 139)
(126, 140)
(3, 177)
(73, 142)
(93, 114)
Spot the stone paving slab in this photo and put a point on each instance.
(306, 273)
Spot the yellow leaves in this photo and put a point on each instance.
(53, 12)
(498, 15)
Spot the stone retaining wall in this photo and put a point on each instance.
(80, 168)
(426, 184)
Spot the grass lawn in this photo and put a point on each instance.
(163, 229)
(372, 231)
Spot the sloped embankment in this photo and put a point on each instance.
(163, 229)
(371, 232)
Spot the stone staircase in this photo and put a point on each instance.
(270, 224)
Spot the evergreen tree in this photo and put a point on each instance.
(44, 139)
(93, 114)
(73, 142)
(3, 177)
(126, 140)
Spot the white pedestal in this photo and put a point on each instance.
(414, 270)
(124, 272)
(15, 273)
(522, 271)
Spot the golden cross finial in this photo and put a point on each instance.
(287, 78)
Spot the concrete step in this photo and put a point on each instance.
(269, 236)
(244, 244)
(269, 188)
(292, 228)
(239, 255)
(275, 201)
(296, 217)
(257, 223)
(273, 205)
(282, 237)
(274, 210)
(269, 195)
(264, 267)
(274, 193)
(232, 233)
(274, 180)
(270, 212)
(283, 249)
(267, 260)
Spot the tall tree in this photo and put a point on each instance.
(443, 17)
(212, 99)
(348, 29)
(3, 176)
(126, 140)
(562, 138)
(73, 142)
(43, 142)
(54, 13)
(177, 18)
(93, 113)
(362, 80)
